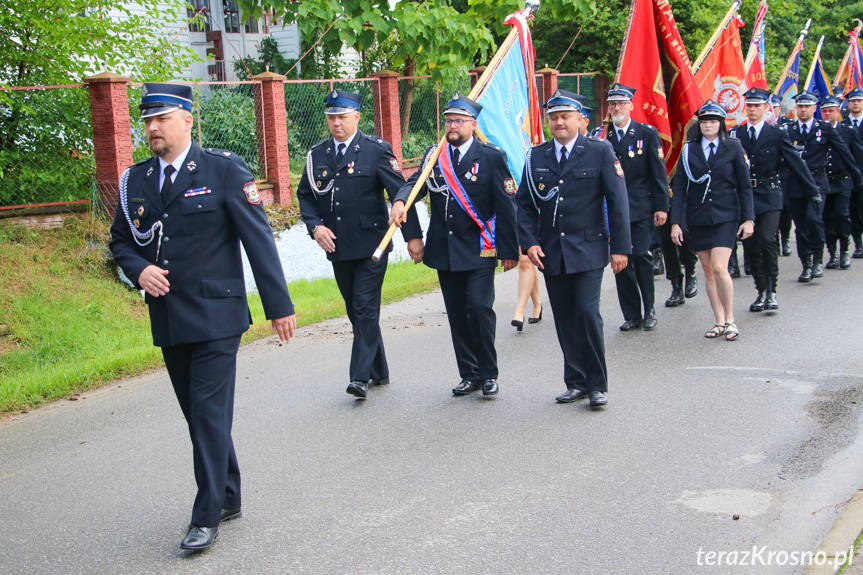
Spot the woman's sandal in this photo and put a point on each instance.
(731, 332)
(715, 331)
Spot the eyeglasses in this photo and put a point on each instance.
(457, 123)
(617, 104)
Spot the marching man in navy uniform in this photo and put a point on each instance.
(177, 231)
(564, 229)
(471, 195)
(854, 100)
(639, 150)
(837, 214)
(768, 149)
(342, 202)
(817, 138)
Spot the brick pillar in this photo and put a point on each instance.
(475, 75)
(112, 134)
(388, 122)
(601, 84)
(549, 84)
(271, 118)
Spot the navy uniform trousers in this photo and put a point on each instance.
(635, 282)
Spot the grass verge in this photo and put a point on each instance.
(75, 327)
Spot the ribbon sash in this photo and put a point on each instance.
(488, 248)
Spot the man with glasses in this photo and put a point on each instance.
(639, 150)
(471, 195)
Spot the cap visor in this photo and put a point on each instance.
(336, 110)
(150, 112)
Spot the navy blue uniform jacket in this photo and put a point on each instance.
(572, 225)
(771, 152)
(355, 208)
(837, 169)
(200, 247)
(453, 241)
(820, 139)
(646, 177)
(729, 198)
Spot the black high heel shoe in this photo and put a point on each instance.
(519, 325)
(535, 319)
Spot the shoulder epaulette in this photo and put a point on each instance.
(490, 145)
(376, 140)
(142, 162)
(321, 143)
(592, 138)
(220, 153)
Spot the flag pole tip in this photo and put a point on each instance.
(531, 5)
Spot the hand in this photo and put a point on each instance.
(285, 327)
(816, 203)
(398, 213)
(676, 234)
(416, 249)
(324, 236)
(153, 281)
(618, 262)
(659, 218)
(534, 253)
(746, 228)
(509, 264)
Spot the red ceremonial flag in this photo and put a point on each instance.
(755, 77)
(658, 67)
(721, 75)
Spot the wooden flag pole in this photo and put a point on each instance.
(797, 48)
(814, 61)
(718, 32)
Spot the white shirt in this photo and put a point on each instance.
(807, 124)
(858, 119)
(347, 142)
(177, 163)
(462, 150)
(570, 146)
(625, 129)
(757, 127)
(705, 145)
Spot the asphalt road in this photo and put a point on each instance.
(416, 481)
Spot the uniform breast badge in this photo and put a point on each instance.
(150, 171)
(541, 187)
(140, 211)
(191, 166)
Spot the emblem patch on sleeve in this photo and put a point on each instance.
(251, 191)
(660, 152)
(395, 164)
(509, 186)
(618, 168)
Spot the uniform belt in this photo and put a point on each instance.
(764, 181)
(838, 175)
(819, 171)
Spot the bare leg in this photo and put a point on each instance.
(526, 285)
(534, 294)
(710, 283)
(723, 284)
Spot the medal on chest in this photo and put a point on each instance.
(351, 167)
(818, 136)
(473, 172)
(630, 152)
(640, 145)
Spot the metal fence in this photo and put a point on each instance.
(584, 84)
(421, 104)
(46, 146)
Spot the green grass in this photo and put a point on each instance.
(75, 327)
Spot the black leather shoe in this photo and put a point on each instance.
(489, 387)
(676, 297)
(536, 319)
(650, 320)
(359, 388)
(806, 275)
(691, 289)
(786, 248)
(381, 381)
(466, 387)
(658, 264)
(229, 514)
(631, 324)
(199, 538)
(770, 302)
(818, 270)
(597, 399)
(858, 252)
(571, 395)
(758, 304)
(844, 261)
(518, 325)
(833, 262)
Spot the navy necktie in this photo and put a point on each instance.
(711, 154)
(456, 156)
(562, 157)
(340, 154)
(166, 185)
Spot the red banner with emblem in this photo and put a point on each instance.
(721, 75)
(654, 62)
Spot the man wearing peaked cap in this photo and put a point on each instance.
(818, 139)
(837, 215)
(639, 150)
(584, 123)
(181, 217)
(768, 149)
(471, 200)
(343, 201)
(566, 230)
(854, 118)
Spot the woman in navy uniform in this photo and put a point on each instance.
(471, 194)
(343, 205)
(573, 218)
(181, 245)
(710, 199)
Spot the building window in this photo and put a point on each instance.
(202, 23)
(232, 17)
(251, 26)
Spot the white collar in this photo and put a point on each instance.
(625, 128)
(347, 142)
(570, 146)
(757, 127)
(807, 124)
(462, 150)
(705, 145)
(177, 163)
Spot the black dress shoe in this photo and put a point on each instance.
(650, 320)
(571, 395)
(844, 261)
(466, 387)
(489, 387)
(229, 514)
(691, 289)
(676, 297)
(536, 319)
(597, 399)
(199, 538)
(786, 248)
(381, 381)
(631, 324)
(758, 304)
(359, 388)
(518, 325)
(770, 302)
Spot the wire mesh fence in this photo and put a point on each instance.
(46, 146)
(584, 84)
(421, 104)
